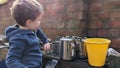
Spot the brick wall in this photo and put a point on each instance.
(5, 17)
(92, 18)
(61, 18)
(105, 20)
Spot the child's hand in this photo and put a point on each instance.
(46, 47)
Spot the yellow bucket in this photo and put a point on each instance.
(97, 50)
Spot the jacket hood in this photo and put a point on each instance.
(13, 30)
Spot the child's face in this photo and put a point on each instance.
(34, 25)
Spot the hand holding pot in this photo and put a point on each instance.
(46, 47)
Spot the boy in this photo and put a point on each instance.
(23, 37)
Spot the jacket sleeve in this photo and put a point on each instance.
(42, 36)
(16, 49)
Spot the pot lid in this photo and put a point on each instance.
(66, 39)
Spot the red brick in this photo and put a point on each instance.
(72, 24)
(71, 8)
(81, 6)
(96, 1)
(63, 32)
(96, 7)
(115, 23)
(74, 7)
(83, 24)
(74, 15)
(94, 15)
(50, 31)
(111, 4)
(114, 33)
(92, 25)
(104, 14)
(102, 33)
(95, 25)
(53, 9)
(115, 43)
(80, 15)
(115, 14)
(53, 25)
(62, 17)
(92, 33)
(75, 32)
(70, 1)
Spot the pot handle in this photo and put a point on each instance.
(72, 49)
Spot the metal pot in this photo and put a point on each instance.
(67, 49)
(55, 48)
(81, 49)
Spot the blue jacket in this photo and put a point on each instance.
(24, 51)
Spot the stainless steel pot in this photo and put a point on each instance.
(55, 48)
(67, 49)
(81, 49)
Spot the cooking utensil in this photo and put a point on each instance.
(67, 48)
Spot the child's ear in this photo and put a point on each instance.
(28, 22)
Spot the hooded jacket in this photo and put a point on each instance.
(24, 51)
